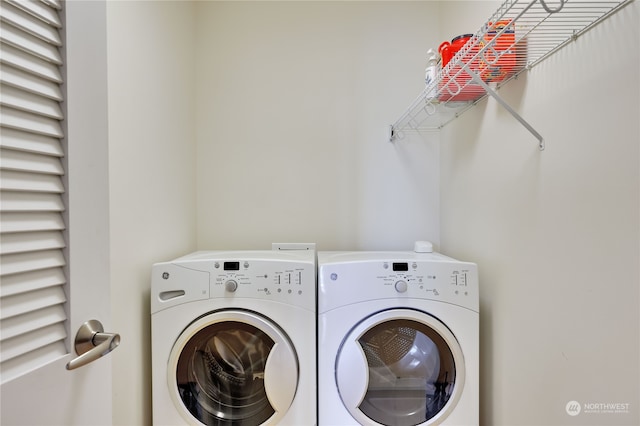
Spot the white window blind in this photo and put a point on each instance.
(32, 279)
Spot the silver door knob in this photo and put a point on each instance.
(92, 343)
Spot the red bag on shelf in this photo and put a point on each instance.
(457, 85)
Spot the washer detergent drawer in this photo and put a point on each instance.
(173, 285)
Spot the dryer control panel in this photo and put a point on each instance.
(406, 274)
(445, 280)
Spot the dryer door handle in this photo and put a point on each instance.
(352, 374)
(281, 376)
(92, 343)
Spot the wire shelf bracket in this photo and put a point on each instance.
(508, 107)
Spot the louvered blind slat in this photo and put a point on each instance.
(40, 10)
(30, 142)
(31, 221)
(21, 120)
(13, 306)
(31, 341)
(26, 161)
(25, 262)
(30, 44)
(29, 23)
(27, 323)
(30, 182)
(53, 3)
(28, 303)
(30, 102)
(30, 83)
(19, 201)
(32, 241)
(19, 98)
(23, 61)
(32, 280)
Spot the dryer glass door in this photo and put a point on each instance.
(411, 366)
(221, 365)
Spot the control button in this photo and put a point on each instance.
(401, 286)
(231, 286)
(246, 265)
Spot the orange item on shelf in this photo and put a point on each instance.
(498, 60)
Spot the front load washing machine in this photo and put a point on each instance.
(234, 338)
(398, 339)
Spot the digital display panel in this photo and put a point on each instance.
(400, 266)
(231, 266)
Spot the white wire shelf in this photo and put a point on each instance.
(519, 35)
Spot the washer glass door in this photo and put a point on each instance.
(220, 365)
(400, 367)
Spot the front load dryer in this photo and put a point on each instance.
(233, 338)
(398, 339)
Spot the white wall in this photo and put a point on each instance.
(555, 233)
(293, 104)
(235, 124)
(285, 101)
(152, 176)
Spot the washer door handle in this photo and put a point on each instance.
(281, 377)
(92, 343)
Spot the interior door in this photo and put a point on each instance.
(49, 393)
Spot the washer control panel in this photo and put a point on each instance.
(342, 283)
(288, 278)
(282, 281)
